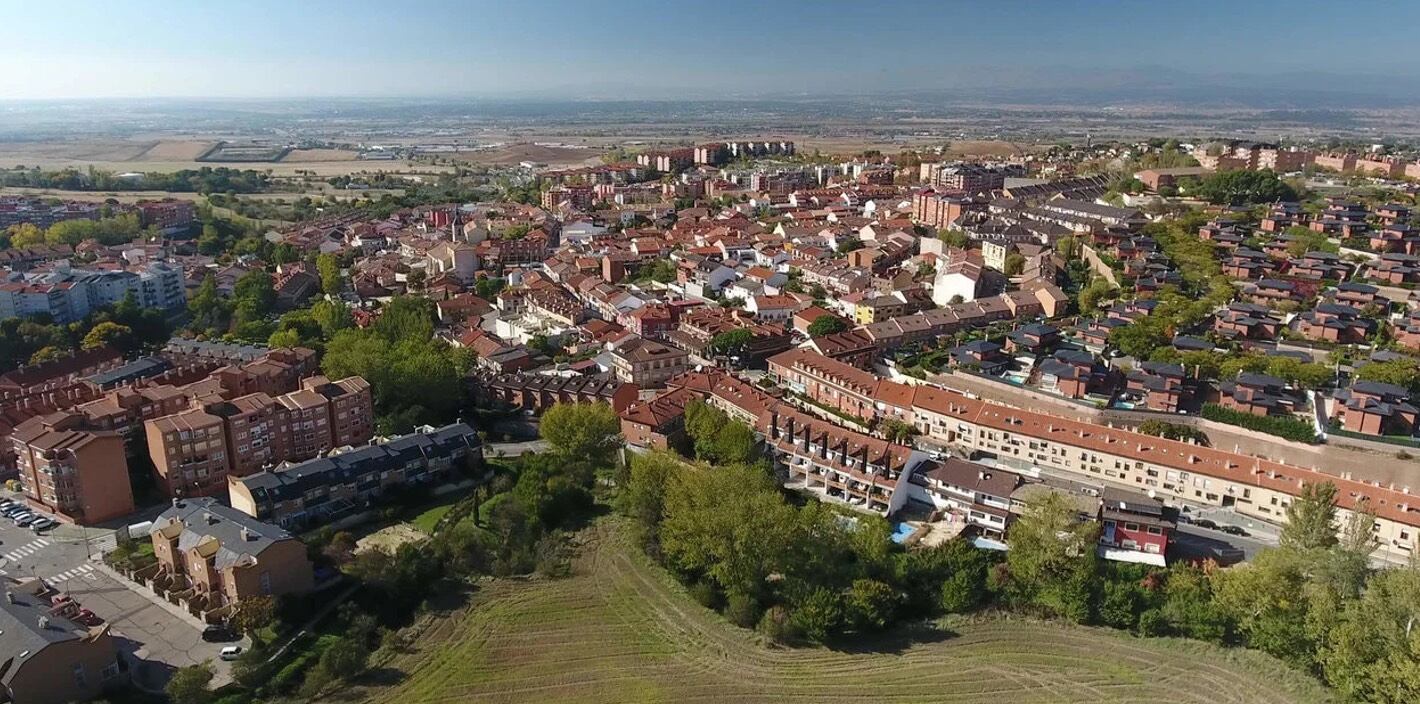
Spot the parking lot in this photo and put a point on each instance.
(68, 559)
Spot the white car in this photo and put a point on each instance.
(231, 652)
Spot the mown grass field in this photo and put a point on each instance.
(620, 630)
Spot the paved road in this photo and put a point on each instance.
(510, 449)
(67, 558)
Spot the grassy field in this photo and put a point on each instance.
(620, 630)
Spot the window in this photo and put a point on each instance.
(1131, 526)
(265, 582)
(1155, 530)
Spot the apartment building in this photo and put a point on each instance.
(219, 556)
(193, 451)
(71, 469)
(47, 659)
(646, 363)
(1174, 470)
(189, 452)
(839, 385)
(346, 482)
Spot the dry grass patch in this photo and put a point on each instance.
(620, 630)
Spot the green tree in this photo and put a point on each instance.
(331, 280)
(1403, 372)
(870, 604)
(1311, 518)
(587, 431)
(25, 235)
(953, 238)
(48, 354)
(345, 659)
(189, 685)
(644, 496)
(210, 242)
(731, 342)
(1244, 187)
(1052, 556)
(850, 244)
(819, 615)
(253, 613)
(827, 325)
(1015, 264)
(110, 334)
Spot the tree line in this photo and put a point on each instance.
(812, 573)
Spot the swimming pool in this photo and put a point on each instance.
(901, 531)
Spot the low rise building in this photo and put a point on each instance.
(213, 556)
(45, 658)
(344, 483)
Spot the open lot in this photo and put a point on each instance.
(621, 630)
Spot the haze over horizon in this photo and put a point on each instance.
(639, 49)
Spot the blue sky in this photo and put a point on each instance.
(673, 48)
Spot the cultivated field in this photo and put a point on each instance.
(621, 631)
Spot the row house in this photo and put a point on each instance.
(984, 356)
(1375, 408)
(1257, 394)
(855, 347)
(1282, 216)
(47, 656)
(837, 276)
(1395, 269)
(1270, 292)
(536, 393)
(837, 464)
(1360, 295)
(1245, 263)
(827, 381)
(1033, 338)
(218, 557)
(658, 422)
(1407, 331)
(1176, 471)
(325, 489)
(1319, 265)
(1333, 322)
(1397, 237)
(195, 450)
(699, 327)
(1157, 386)
(1247, 321)
(1071, 373)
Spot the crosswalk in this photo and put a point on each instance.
(26, 550)
(67, 575)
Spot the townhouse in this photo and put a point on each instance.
(347, 482)
(839, 465)
(217, 556)
(1375, 408)
(1175, 471)
(536, 393)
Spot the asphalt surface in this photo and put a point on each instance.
(68, 558)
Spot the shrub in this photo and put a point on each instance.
(775, 625)
(819, 615)
(1286, 427)
(1152, 623)
(742, 610)
(704, 594)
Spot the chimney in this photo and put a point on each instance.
(773, 425)
(9, 596)
(44, 623)
(246, 535)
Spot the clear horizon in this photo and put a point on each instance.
(636, 49)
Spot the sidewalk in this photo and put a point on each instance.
(148, 594)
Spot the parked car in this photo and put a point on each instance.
(218, 634)
(25, 519)
(1234, 530)
(12, 509)
(43, 524)
(88, 618)
(231, 652)
(1205, 523)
